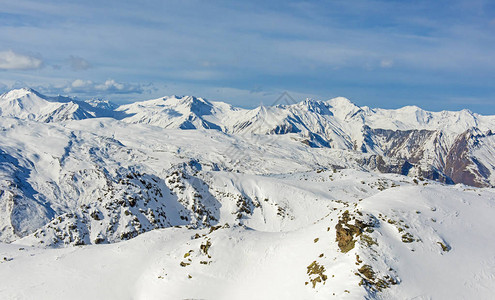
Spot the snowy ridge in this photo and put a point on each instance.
(171, 112)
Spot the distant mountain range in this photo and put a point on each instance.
(452, 147)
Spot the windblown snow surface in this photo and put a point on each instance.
(104, 203)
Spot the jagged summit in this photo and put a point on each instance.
(316, 106)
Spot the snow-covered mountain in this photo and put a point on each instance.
(28, 104)
(436, 145)
(190, 198)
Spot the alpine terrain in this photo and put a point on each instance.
(186, 198)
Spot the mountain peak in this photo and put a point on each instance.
(184, 104)
(27, 103)
(342, 107)
(186, 99)
(19, 93)
(30, 90)
(340, 102)
(315, 106)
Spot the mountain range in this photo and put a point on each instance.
(453, 147)
(308, 200)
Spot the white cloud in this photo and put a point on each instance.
(110, 86)
(79, 83)
(10, 60)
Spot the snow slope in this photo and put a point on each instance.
(449, 254)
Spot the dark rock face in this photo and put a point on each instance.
(394, 143)
(404, 150)
(461, 166)
(403, 167)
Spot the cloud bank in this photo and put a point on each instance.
(10, 60)
(80, 86)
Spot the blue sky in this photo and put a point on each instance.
(434, 54)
